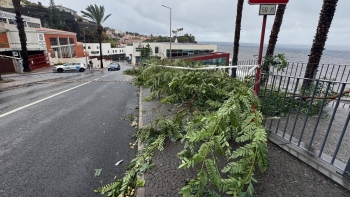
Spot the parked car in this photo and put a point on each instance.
(69, 67)
(114, 66)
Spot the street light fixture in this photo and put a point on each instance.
(170, 29)
(85, 46)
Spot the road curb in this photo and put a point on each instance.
(140, 191)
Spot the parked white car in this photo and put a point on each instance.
(69, 67)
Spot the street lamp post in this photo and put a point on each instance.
(170, 29)
(85, 46)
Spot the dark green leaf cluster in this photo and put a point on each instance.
(277, 102)
(277, 61)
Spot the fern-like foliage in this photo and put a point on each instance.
(220, 118)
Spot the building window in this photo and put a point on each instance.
(84, 48)
(138, 49)
(120, 50)
(95, 52)
(88, 47)
(113, 51)
(63, 41)
(12, 21)
(35, 25)
(97, 47)
(53, 41)
(108, 51)
(3, 20)
(156, 49)
(71, 41)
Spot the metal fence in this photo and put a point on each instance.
(315, 117)
(312, 116)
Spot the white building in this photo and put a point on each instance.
(64, 9)
(93, 49)
(119, 32)
(162, 49)
(9, 32)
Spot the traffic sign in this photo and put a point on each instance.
(256, 2)
(267, 9)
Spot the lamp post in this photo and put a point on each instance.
(85, 46)
(170, 28)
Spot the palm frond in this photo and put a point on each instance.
(95, 13)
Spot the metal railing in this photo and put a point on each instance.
(242, 71)
(314, 117)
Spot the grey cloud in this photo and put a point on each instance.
(215, 20)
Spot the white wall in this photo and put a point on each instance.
(106, 49)
(33, 42)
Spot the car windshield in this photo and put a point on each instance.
(113, 64)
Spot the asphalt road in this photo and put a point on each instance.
(52, 142)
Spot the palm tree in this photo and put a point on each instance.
(22, 35)
(237, 36)
(96, 14)
(1, 45)
(273, 37)
(324, 23)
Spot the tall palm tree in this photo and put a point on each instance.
(273, 37)
(237, 36)
(22, 34)
(275, 29)
(96, 14)
(324, 23)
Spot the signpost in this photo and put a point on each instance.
(267, 7)
(258, 2)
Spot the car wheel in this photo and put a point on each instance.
(81, 70)
(60, 70)
(109, 69)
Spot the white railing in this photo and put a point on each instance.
(241, 72)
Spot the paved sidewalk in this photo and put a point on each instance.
(38, 75)
(286, 175)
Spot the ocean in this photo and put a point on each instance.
(338, 55)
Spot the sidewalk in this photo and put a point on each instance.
(16, 80)
(286, 175)
(38, 75)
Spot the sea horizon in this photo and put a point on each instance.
(339, 55)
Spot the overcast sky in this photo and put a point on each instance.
(215, 20)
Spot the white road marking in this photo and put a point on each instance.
(97, 79)
(105, 75)
(41, 100)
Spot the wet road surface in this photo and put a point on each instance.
(52, 140)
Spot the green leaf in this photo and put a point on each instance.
(213, 172)
(98, 172)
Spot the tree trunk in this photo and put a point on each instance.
(324, 23)
(99, 32)
(275, 29)
(273, 39)
(22, 35)
(237, 37)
